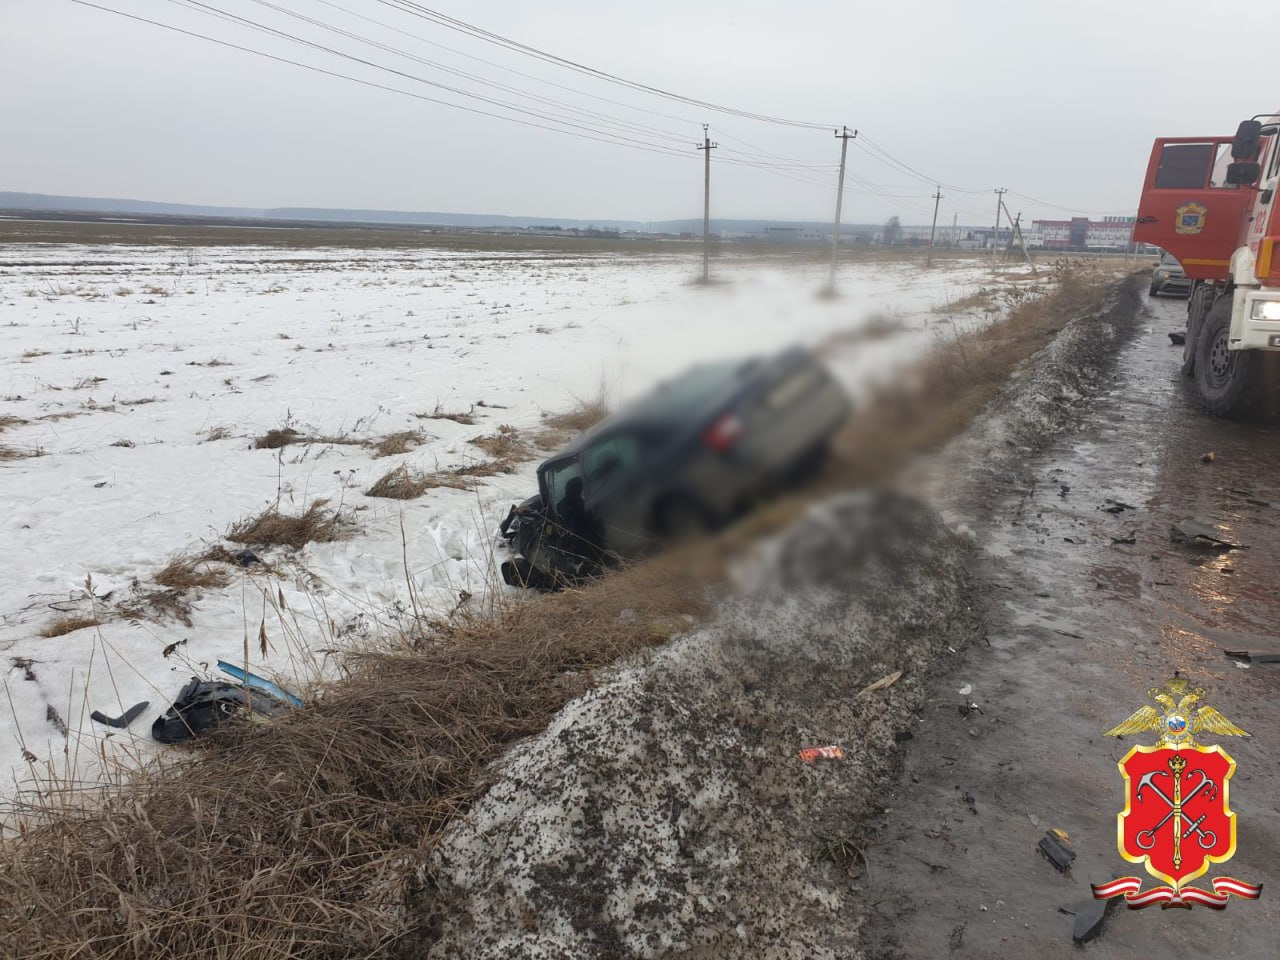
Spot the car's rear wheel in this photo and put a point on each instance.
(810, 463)
(682, 518)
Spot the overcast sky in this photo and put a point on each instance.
(1056, 101)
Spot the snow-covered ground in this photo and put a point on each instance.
(134, 381)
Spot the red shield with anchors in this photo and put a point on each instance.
(1176, 818)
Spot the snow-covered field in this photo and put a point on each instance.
(134, 381)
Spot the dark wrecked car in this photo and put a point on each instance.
(688, 457)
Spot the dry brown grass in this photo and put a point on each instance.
(156, 605)
(191, 573)
(467, 418)
(559, 428)
(14, 453)
(506, 446)
(981, 298)
(8, 421)
(272, 528)
(65, 625)
(277, 438)
(400, 483)
(404, 483)
(300, 838)
(397, 444)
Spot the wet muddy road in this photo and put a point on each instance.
(1083, 622)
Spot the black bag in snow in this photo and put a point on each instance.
(204, 704)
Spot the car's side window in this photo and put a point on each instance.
(610, 459)
(562, 476)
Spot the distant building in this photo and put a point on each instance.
(801, 234)
(1081, 233)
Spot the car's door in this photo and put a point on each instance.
(616, 490)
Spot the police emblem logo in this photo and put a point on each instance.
(1189, 218)
(1177, 820)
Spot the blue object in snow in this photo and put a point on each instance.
(259, 683)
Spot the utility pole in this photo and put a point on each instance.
(1016, 234)
(844, 136)
(937, 198)
(995, 237)
(955, 229)
(707, 146)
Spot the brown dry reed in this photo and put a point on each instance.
(65, 625)
(506, 446)
(188, 573)
(272, 528)
(301, 838)
(397, 443)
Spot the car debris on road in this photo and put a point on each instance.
(1200, 534)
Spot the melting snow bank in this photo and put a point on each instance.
(668, 810)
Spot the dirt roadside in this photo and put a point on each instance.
(1079, 628)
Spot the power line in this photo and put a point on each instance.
(645, 129)
(371, 83)
(462, 26)
(254, 25)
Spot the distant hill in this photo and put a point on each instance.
(99, 206)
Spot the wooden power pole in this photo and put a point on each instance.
(844, 136)
(995, 236)
(937, 198)
(706, 146)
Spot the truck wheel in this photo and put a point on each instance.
(1224, 378)
(1197, 307)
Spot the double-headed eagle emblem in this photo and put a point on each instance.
(1177, 819)
(1174, 721)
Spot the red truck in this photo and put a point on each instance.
(1210, 201)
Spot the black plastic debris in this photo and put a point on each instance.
(246, 557)
(1089, 915)
(1116, 506)
(124, 719)
(1130, 539)
(1177, 337)
(1197, 533)
(202, 705)
(1054, 846)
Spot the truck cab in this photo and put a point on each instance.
(1210, 202)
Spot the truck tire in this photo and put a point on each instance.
(1224, 378)
(1197, 306)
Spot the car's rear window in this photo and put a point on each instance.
(692, 390)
